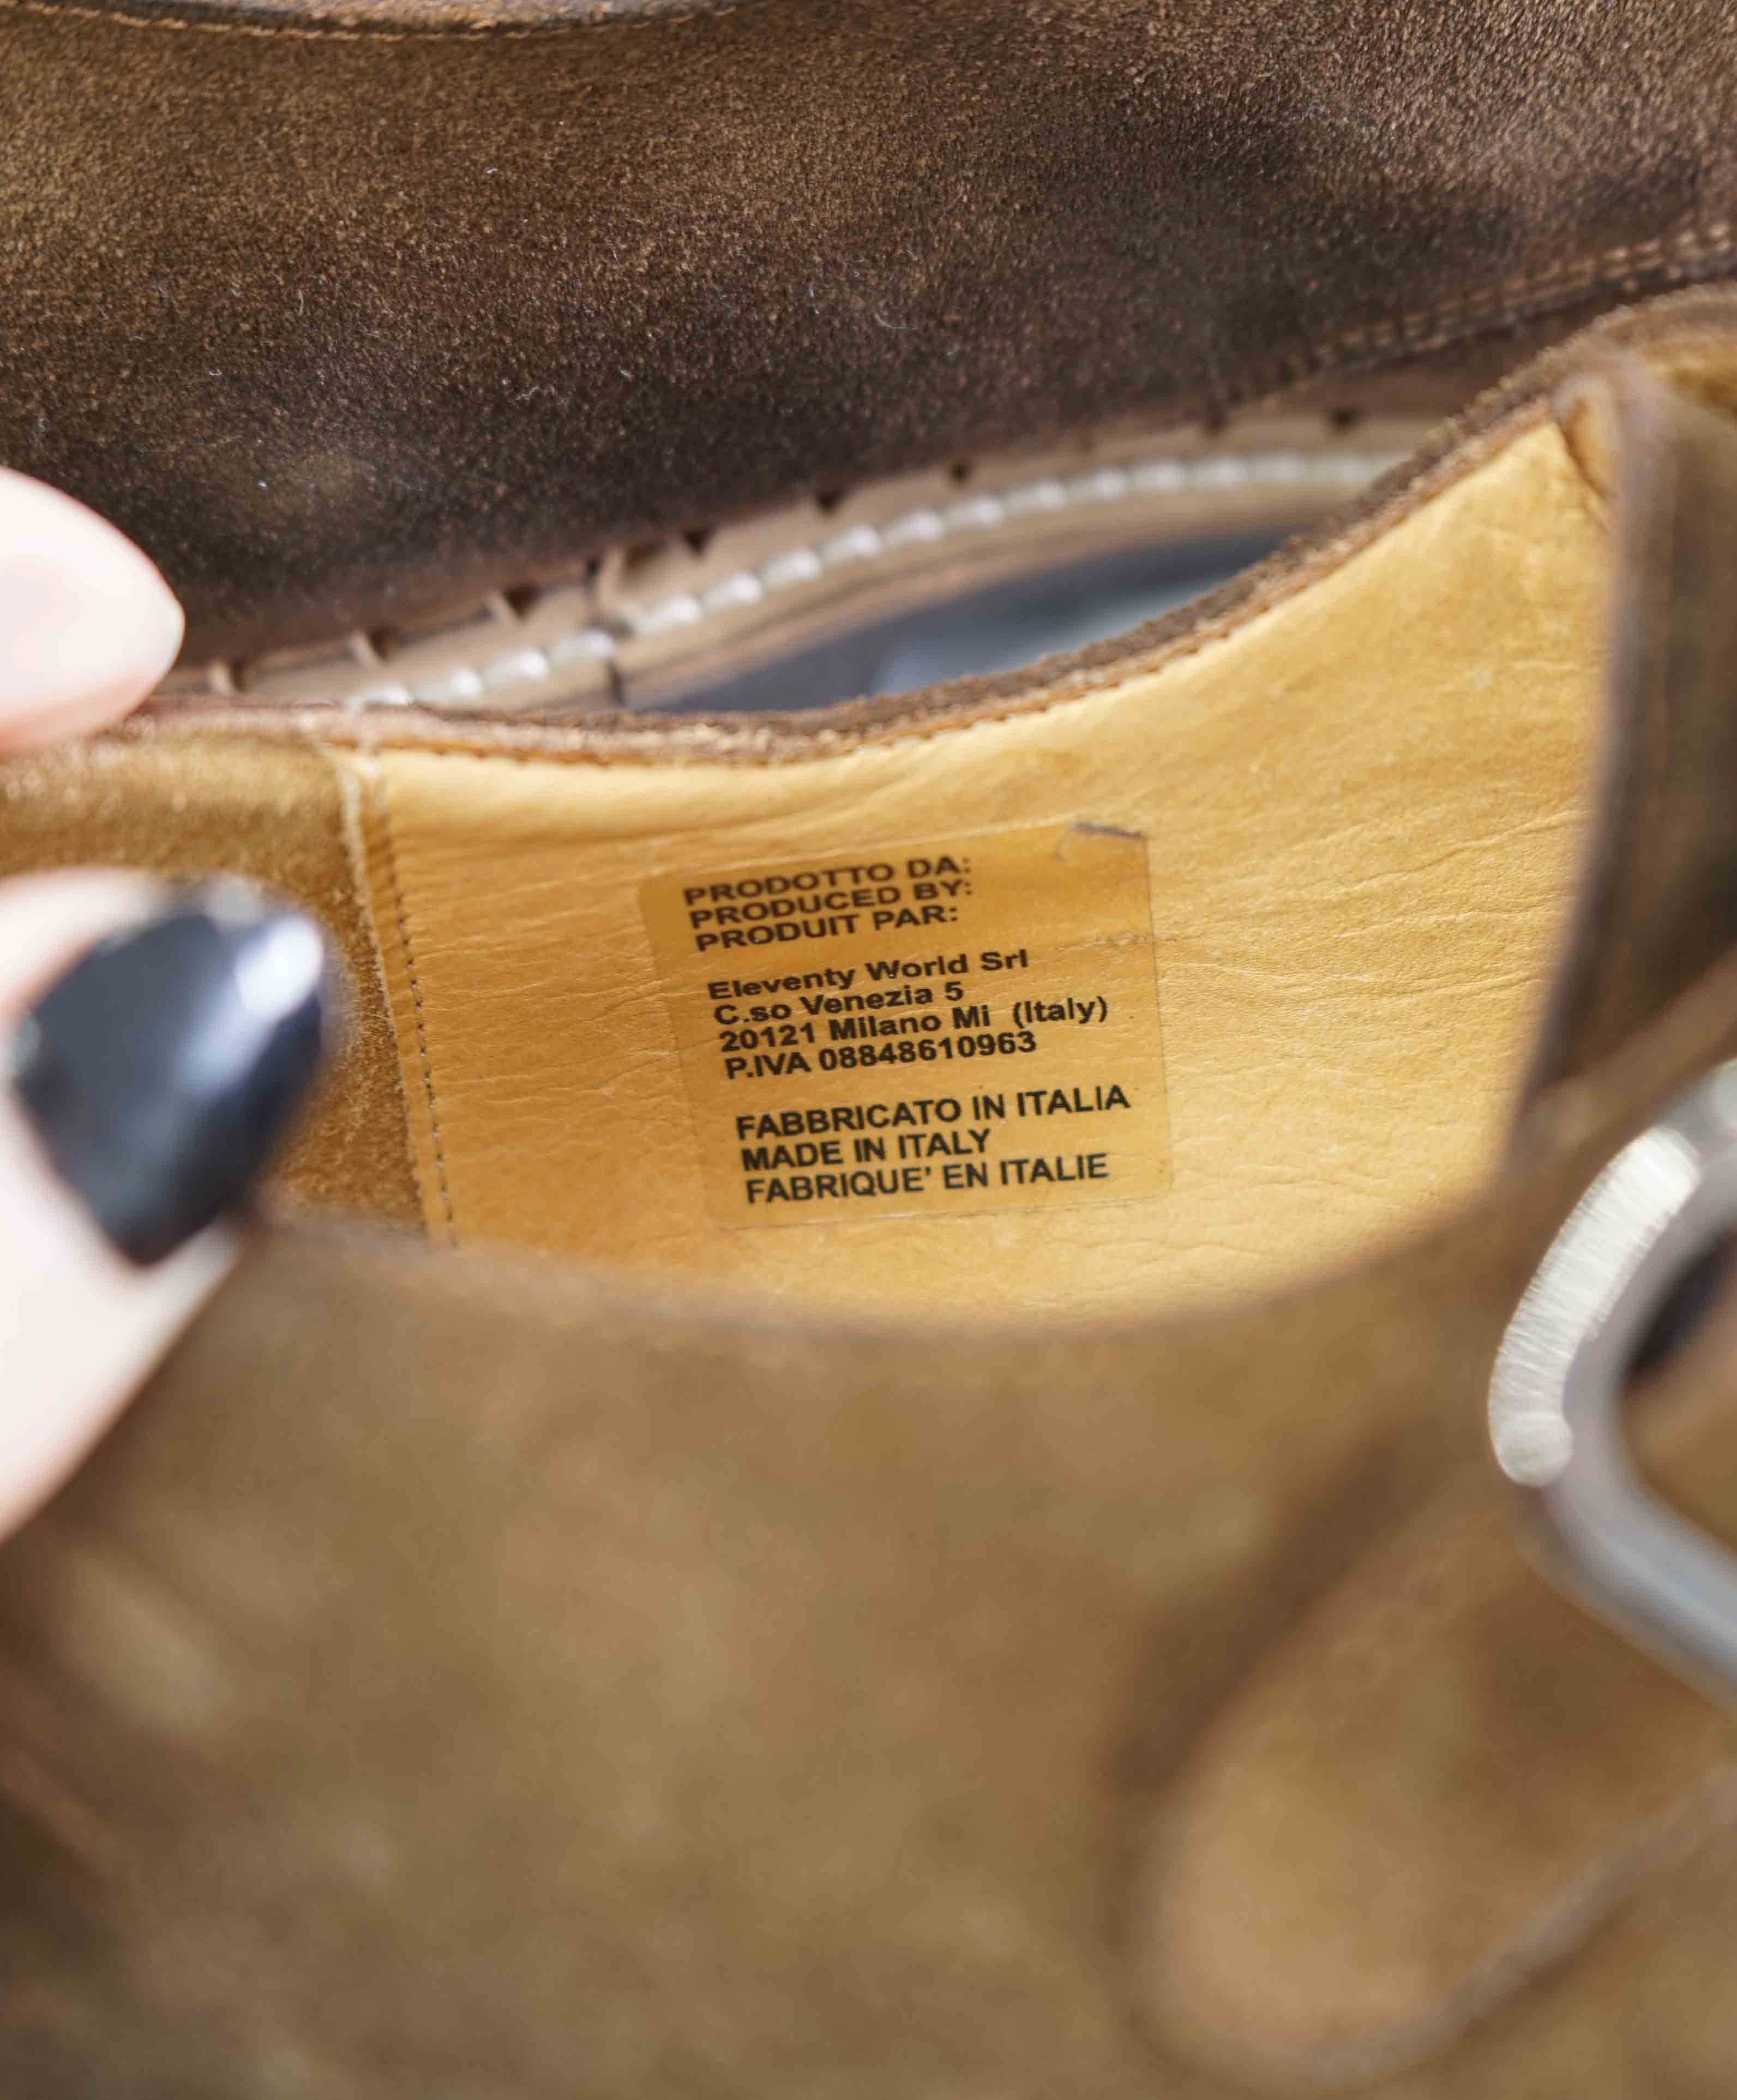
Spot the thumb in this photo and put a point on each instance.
(160, 1043)
(156, 1046)
(87, 626)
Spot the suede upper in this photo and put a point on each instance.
(341, 324)
(464, 1677)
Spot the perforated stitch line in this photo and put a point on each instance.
(926, 525)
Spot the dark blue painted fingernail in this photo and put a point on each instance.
(163, 1070)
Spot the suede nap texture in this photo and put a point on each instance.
(343, 324)
(461, 1678)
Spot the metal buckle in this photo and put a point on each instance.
(1557, 1395)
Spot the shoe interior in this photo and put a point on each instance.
(1181, 969)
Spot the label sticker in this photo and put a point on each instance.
(956, 1024)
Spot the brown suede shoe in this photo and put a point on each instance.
(410, 336)
(982, 1572)
(810, 1654)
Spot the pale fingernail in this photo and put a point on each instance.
(87, 626)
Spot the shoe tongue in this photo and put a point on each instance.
(1658, 902)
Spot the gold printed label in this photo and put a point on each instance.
(962, 1023)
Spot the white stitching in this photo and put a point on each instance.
(862, 543)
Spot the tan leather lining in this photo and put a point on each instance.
(1359, 808)
(1358, 802)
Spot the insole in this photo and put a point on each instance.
(1186, 985)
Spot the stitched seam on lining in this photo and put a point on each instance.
(402, 919)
